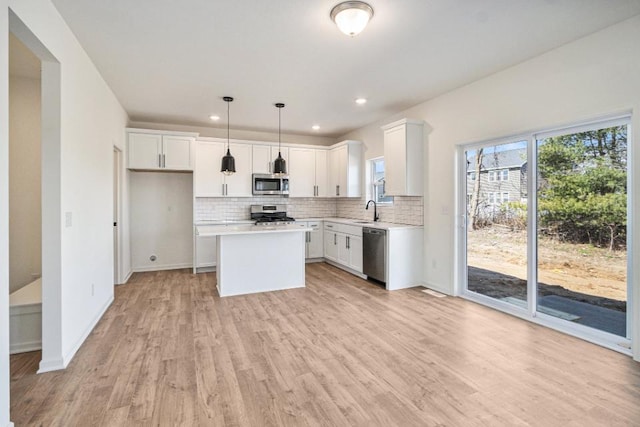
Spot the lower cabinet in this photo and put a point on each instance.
(206, 251)
(343, 245)
(315, 240)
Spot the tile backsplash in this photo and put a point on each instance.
(231, 208)
(405, 210)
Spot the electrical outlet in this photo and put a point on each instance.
(68, 219)
(93, 290)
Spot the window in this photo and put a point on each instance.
(377, 182)
(472, 176)
(499, 175)
(497, 198)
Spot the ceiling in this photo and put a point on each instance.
(172, 61)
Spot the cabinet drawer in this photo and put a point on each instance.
(352, 230)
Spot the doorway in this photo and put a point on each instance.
(117, 165)
(545, 229)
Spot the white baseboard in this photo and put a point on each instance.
(126, 279)
(24, 347)
(438, 288)
(51, 365)
(57, 364)
(163, 267)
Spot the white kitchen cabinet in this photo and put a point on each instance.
(344, 170)
(330, 245)
(239, 183)
(403, 158)
(154, 151)
(265, 155)
(314, 246)
(343, 245)
(209, 181)
(307, 172)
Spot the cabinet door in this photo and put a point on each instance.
(176, 152)
(239, 183)
(338, 164)
(331, 245)
(355, 253)
(343, 250)
(206, 251)
(207, 178)
(395, 161)
(315, 245)
(302, 172)
(322, 189)
(144, 151)
(261, 159)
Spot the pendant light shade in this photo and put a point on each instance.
(228, 166)
(351, 16)
(280, 164)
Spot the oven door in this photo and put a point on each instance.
(266, 184)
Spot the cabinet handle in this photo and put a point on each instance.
(347, 242)
(223, 189)
(337, 190)
(226, 189)
(164, 161)
(335, 239)
(159, 160)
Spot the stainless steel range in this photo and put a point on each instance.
(270, 215)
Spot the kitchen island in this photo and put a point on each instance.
(253, 258)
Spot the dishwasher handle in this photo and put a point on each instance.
(373, 231)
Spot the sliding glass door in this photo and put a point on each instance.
(582, 227)
(496, 212)
(545, 220)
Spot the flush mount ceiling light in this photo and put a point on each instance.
(315, 127)
(228, 166)
(279, 165)
(214, 117)
(351, 16)
(361, 101)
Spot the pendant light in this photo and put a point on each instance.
(280, 165)
(351, 16)
(228, 162)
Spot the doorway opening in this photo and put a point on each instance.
(545, 229)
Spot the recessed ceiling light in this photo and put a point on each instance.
(361, 101)
(214, 117)
(315, 127)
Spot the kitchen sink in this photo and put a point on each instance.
(362, 222)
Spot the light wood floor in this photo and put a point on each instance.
(340, 352)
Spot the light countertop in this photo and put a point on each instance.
(228, 229)
(366, 223)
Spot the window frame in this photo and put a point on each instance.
(375, 186)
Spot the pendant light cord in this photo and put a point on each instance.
(228, 120)
(279, 129)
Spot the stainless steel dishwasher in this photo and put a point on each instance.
(374, 253)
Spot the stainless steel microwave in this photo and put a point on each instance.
(269, 184)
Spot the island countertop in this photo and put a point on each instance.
(224, 230)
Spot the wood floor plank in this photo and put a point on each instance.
(342, 351)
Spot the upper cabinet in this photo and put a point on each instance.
(155, 150)
(307, 172)
(265, 155)
(344, 170)
(403, 158)
(209, 181)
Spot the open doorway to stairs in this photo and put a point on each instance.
(45, 110)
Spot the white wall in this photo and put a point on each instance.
(25, 238)
(91, 121)
(591, 77)
(161, 220)
(4, 214)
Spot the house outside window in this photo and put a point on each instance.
(378, 183)
(499, 175)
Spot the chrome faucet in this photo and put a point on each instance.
(376, 217)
